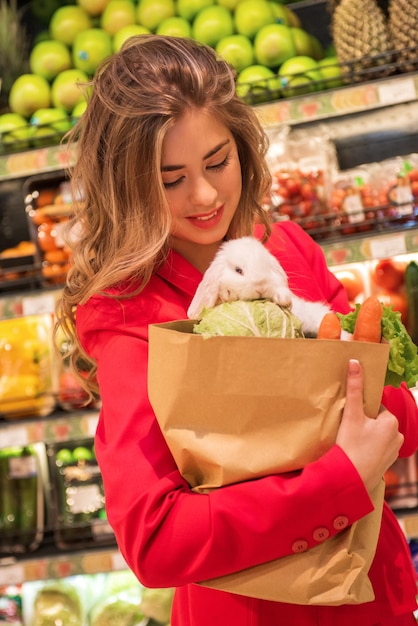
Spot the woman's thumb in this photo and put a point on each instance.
(354, 394)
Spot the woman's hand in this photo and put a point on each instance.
(372, 445)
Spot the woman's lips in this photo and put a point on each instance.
(207, 220)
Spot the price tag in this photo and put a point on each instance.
(388, 247)
(36, 305)
(11, 574)
(403, 91)
(13, 436)
(118, 562)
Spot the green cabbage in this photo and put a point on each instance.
(57, 604)
(249, 318)
(117, 612)
(403, 357)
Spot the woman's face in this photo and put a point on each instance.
(201, 174)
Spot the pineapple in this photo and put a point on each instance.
(361, 38)
(403, 27)
(14, 48)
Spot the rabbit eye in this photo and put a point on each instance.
(239, 270)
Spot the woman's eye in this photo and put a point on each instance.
(172, 184)
(221, 165)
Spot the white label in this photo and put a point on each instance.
(11, 574)
(403, 197)
(15, 436)
(35, 305)
(59, 234)
(22, 466)
(354, 208)
(403, 91)
(85, 499)
(390, 246)
(118, 562)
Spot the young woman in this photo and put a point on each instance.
(170, 164)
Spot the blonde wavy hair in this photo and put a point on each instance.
(123, 222)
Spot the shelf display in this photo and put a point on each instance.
(22, 499)
(78, 502)
(368, 238)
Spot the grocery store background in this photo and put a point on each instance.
(340, 106)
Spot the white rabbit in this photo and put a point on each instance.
(243, 269)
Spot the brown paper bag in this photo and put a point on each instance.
(237, 408)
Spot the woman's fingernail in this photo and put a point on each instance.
(354, 366)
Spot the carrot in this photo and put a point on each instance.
(368, 326)
(330, 327)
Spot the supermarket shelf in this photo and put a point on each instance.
(30, 162)
(371, 247)
(317, 106)
(343, 101)
(63, 426)
(57, 566)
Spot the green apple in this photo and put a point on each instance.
(303, 42)
(330, 69)
(273, 45)
(78, 110)
(67, 22)
(228, 4)
(150, 13)
(93, 7)
(28, 93)
(258, 83)
(305, 70)
(49, 58)
(126, 33)
(43, 10)
(69, 88)
(293, 18)
(237, 50)
(188, 9)
(251, 15)
(212, 24)
(14, 129)
(318, 48)
(48, 125)
(90, 48)
(116, 15)
(281, 13)
(175, 27)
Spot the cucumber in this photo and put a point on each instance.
(411, 284)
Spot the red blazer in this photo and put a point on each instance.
(172, 537)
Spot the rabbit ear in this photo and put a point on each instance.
(278, 271)
(207, 292)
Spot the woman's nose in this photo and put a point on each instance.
(203, 193)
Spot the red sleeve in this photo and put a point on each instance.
(402, 403)
(305, 264)
(169, 535)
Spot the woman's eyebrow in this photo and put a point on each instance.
(171, 168)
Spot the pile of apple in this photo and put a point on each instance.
(274, 56)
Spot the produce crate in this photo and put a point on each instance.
(22, 499)
(77, 499)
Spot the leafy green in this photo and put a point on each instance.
(403, 357)
(249, 318)
(57, 604)
(117, 612)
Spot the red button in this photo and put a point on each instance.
(341, 522)
(300, 545)
(320, 534)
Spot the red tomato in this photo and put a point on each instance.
(293, 186)
(389, 275)
(398, 302)
(352, 281)
(70, 393)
